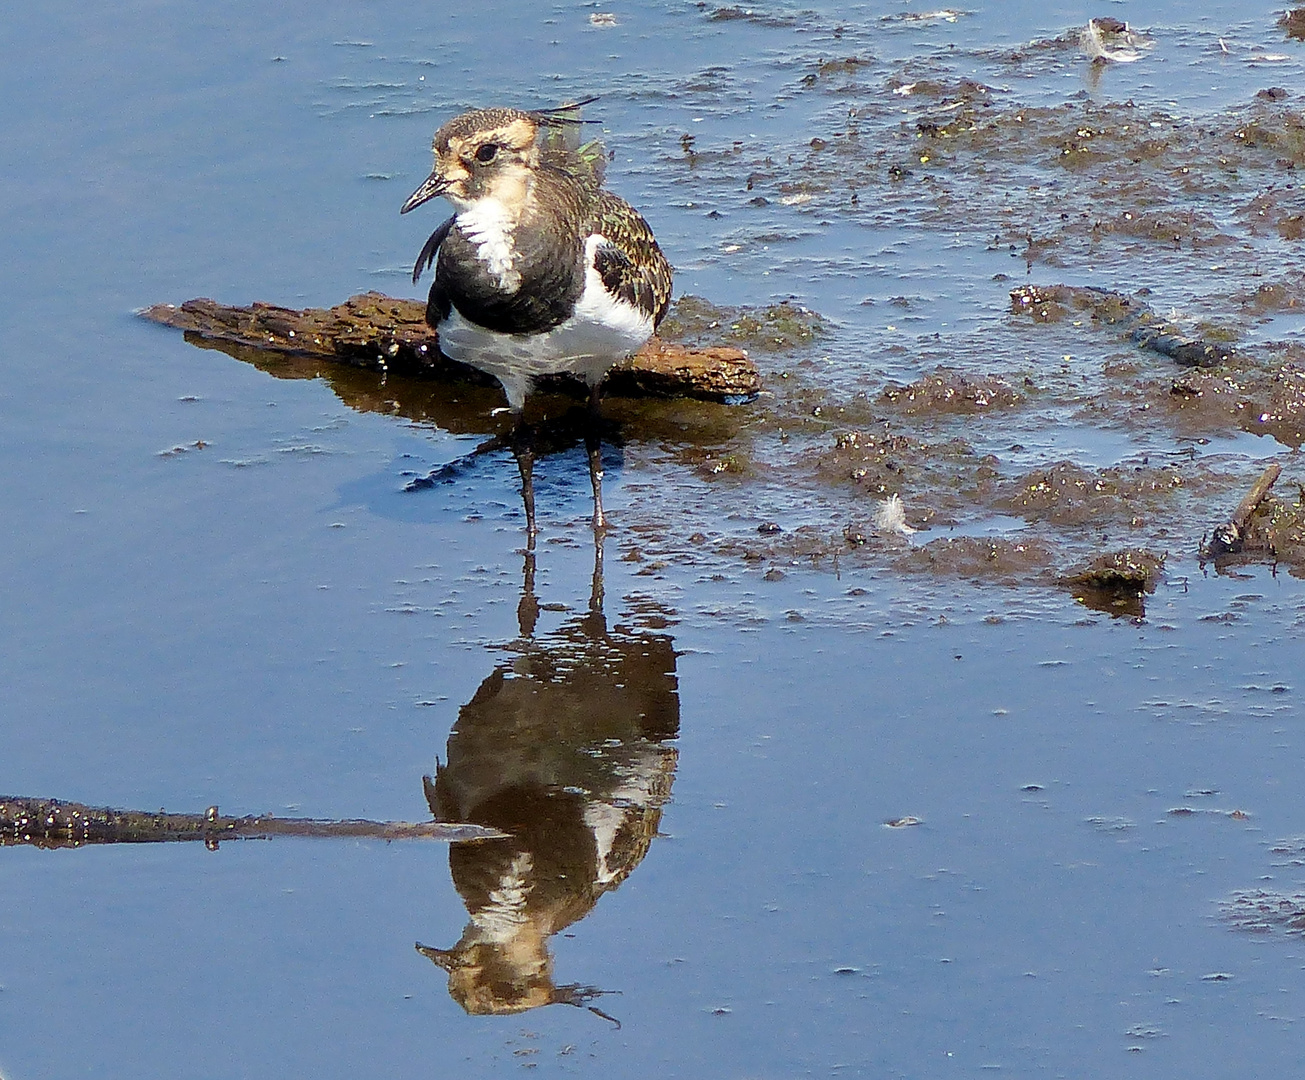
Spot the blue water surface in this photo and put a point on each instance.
(267, 621)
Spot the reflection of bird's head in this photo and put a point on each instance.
(495, 978)
(489, 980)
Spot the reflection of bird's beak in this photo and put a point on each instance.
(432, 186)
(448, 959)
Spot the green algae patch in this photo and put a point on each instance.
(1293, 22)
(1068, 495)
(1001, 560)
(1117, 581)
(950, 391)
(1262, 399)
(775, 328)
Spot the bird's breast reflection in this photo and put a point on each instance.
(568, 746)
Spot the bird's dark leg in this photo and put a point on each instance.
(594, 443)
(523, 449)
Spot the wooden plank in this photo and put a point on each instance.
(387, 334)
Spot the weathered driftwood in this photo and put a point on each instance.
(1051, 303)
(1228, 538)
(53, 823)
(385, 334)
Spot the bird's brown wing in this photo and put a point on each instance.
(630, 263)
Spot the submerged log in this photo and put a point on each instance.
(53, 823)
(1134, 317)
(386, 334)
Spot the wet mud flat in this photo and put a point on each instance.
(961, 453)
(868, 477)
(1189, 223)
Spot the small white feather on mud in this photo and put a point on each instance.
(890, 518)
(1109, 41)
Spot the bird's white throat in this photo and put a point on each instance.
(489, 224)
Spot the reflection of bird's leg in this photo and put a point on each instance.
(523, 449)
(596, 592)
(528, 608)
(595, 624)
(594, 442)
(574, 994)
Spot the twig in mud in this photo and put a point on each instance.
(1228, 538)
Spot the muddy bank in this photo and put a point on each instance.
(1185, 222)
(1125, 405)
(837, 458)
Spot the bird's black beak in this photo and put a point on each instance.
(432, 186)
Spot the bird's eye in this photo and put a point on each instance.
(487, 153)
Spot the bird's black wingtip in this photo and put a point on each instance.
(430, 249)
(561, 114)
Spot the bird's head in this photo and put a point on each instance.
(484, 154)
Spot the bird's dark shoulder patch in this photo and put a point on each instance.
(550, 281)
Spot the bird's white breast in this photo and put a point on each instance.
(601, 330)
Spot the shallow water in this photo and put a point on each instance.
(268, 621)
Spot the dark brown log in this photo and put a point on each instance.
(53, 823)
(384, 334)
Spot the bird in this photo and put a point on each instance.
(540, 270)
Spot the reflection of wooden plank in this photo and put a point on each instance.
(53, 823)
(382, 333)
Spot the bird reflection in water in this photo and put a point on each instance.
(567, 745)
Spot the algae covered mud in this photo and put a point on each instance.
(1064, 418)
(1186, 223)
(916, 716)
